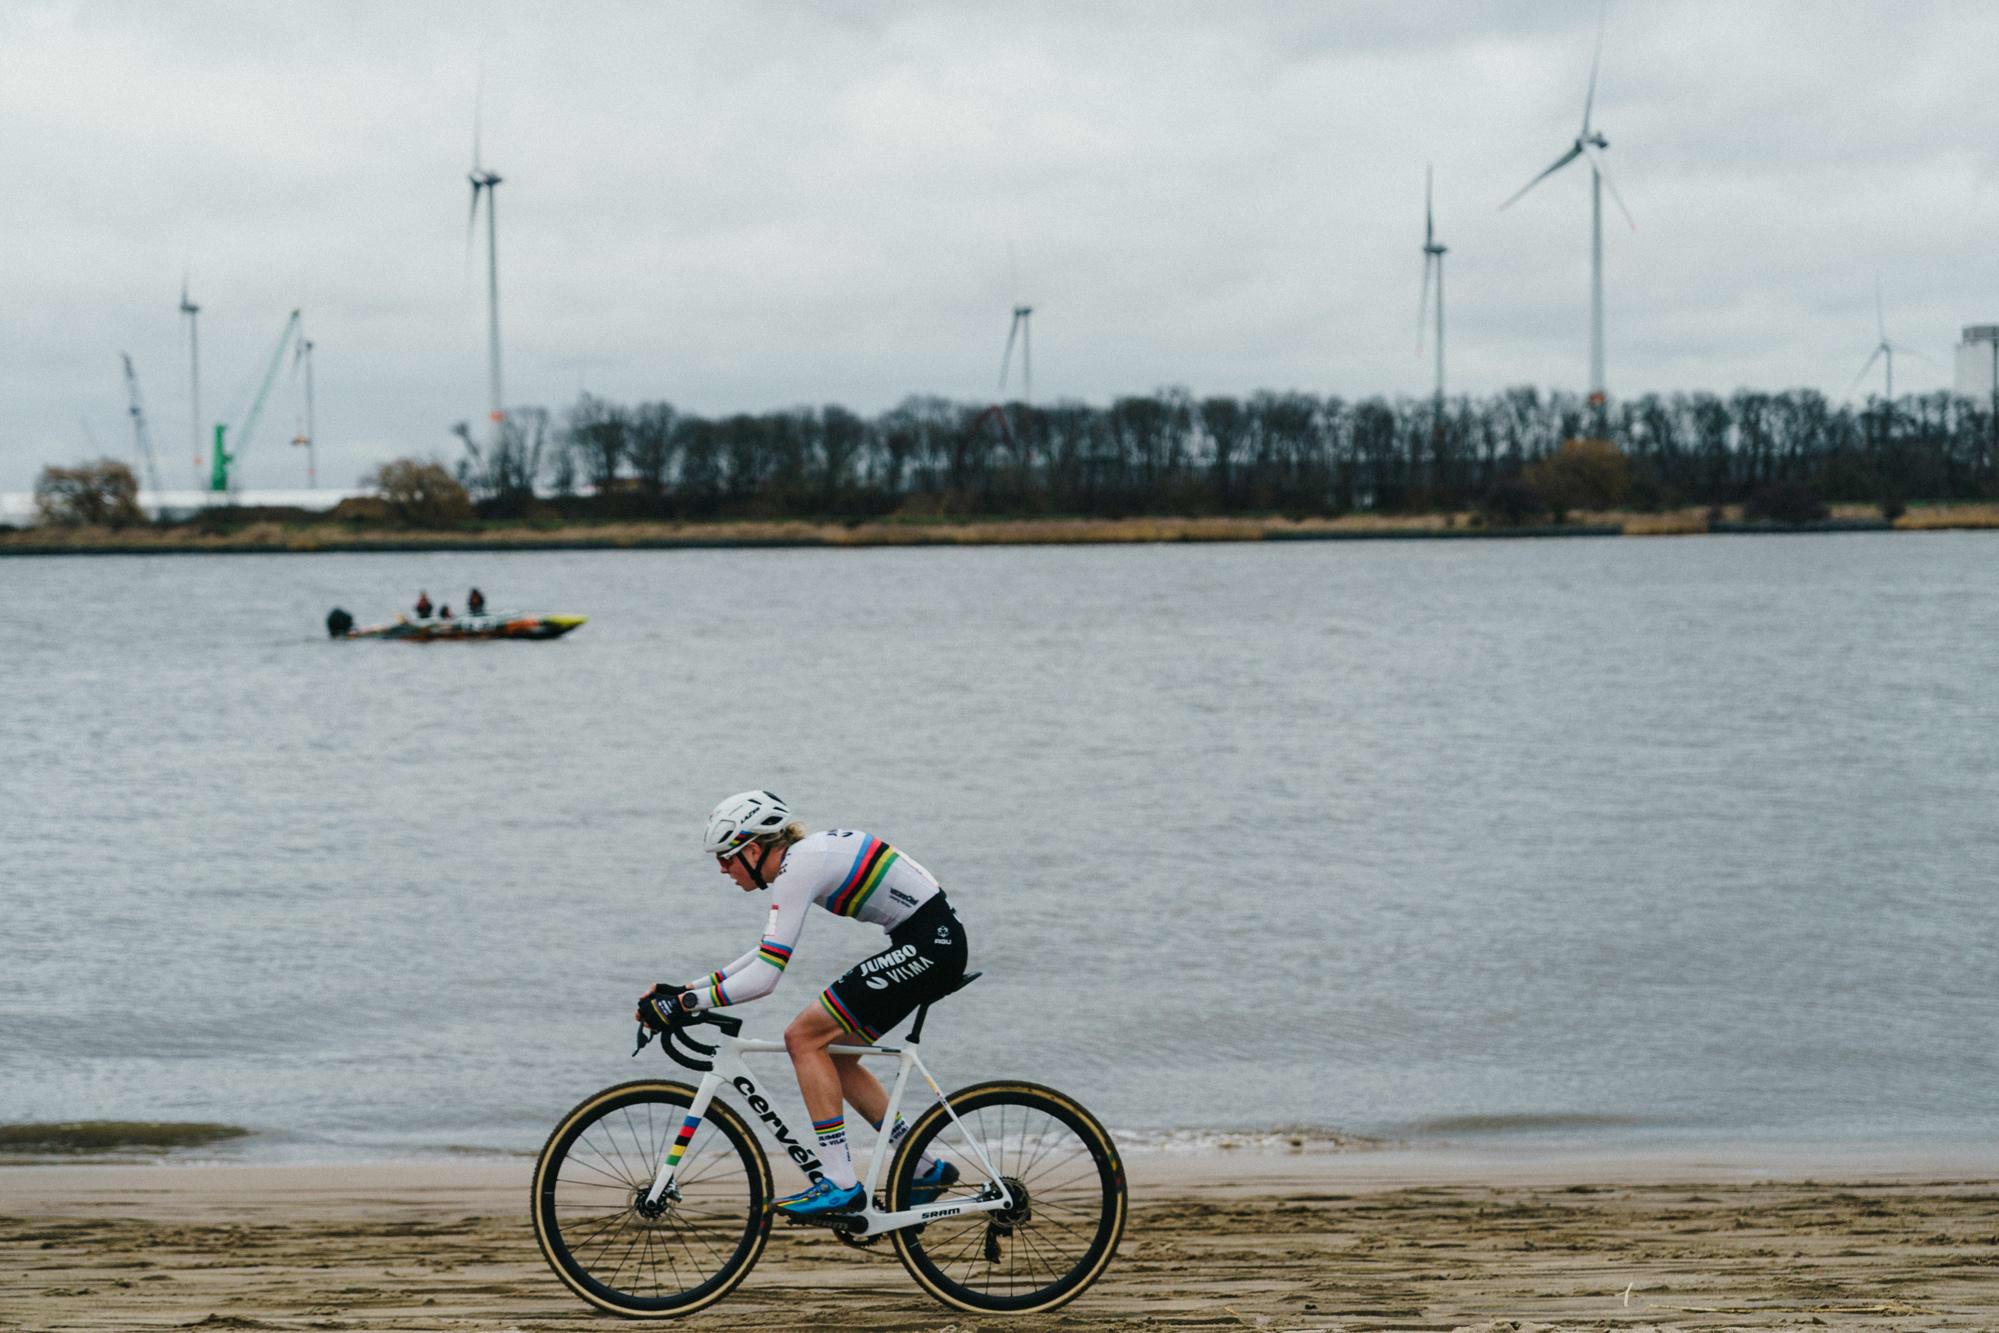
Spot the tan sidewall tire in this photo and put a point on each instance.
(720, 1113)
(920, 1132)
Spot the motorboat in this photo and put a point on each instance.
(486, 625)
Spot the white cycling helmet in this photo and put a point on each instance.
(743, 818)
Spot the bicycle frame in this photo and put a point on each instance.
(728, 1068)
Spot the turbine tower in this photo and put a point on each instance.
(193, 313)
(1433, 257)
(1590, 143)
(302, 356)
(1020, 327)
(487, 182)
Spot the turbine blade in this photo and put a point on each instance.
(1006, 357)
(1869, 366)
(1575, 151)
(1589, 98)
(1429, 221)
(1603, 170)
(478, 98)
(472, 221)
(1880, 315)
(1907, 350)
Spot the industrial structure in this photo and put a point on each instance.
(1978, 363)
(220, 459)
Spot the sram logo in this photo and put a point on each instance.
(811, 1165)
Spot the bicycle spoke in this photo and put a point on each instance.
(590, 1210)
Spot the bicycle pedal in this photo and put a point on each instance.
(830, 1221)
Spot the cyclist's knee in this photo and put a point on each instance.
(810, 1031)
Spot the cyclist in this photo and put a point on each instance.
(759, 845)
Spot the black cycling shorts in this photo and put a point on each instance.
(924, 960)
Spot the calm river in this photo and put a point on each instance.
(1672, 841)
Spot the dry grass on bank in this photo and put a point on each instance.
(273, 536)
(1935, 517)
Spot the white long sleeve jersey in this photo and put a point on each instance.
(845, 872)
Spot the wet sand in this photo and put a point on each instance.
(1224, 1240)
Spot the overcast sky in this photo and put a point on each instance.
(744, 206)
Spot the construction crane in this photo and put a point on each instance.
(140, 436)
(218, 472)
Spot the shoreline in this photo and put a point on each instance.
(274, 538)
(1347, 1241)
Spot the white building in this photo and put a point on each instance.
(1978, 362)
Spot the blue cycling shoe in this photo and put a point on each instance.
(822, 1199)
(927, 1185)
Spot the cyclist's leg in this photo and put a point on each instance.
(923, 962)
(806, 1039)
(866, 1095)
(861, 1088)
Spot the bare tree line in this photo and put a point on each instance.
(1169, 452)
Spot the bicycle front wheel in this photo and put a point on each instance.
(631, 1257)
(1067, 1186)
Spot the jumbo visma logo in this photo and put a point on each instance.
(903, 973)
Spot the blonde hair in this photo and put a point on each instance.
(784, 837)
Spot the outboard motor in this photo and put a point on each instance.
(338, 622)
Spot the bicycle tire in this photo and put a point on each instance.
(1048, 1147)
(694, 1251)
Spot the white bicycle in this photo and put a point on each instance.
(652, 1199)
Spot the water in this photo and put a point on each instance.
(1608, 842)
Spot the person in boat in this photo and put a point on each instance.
(758, 845)
(423, 606)
(475, 603)
(444, 612)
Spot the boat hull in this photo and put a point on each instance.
(470, 628)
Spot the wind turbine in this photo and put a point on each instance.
(487, 182)
(1884, 351)
(302, 356)
(1590, 143)
(1433, 257)
(193, 313)
(1021, 328)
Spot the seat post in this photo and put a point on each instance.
(916, 1032)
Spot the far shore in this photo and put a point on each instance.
(270, 537)
(1334, 1240)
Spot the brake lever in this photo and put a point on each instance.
(645, 1040)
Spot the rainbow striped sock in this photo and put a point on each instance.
(833, 1154)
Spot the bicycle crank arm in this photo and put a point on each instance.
(872, 1223)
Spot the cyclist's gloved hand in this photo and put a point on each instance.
(660, 1007)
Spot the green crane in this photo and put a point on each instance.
(218, 471)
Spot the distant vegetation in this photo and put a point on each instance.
(100, 494)
(420, 495)
(1515, 457)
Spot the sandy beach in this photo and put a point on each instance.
(1346, 1241)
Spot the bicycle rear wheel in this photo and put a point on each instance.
(1068, 1187)
(618, 1252)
